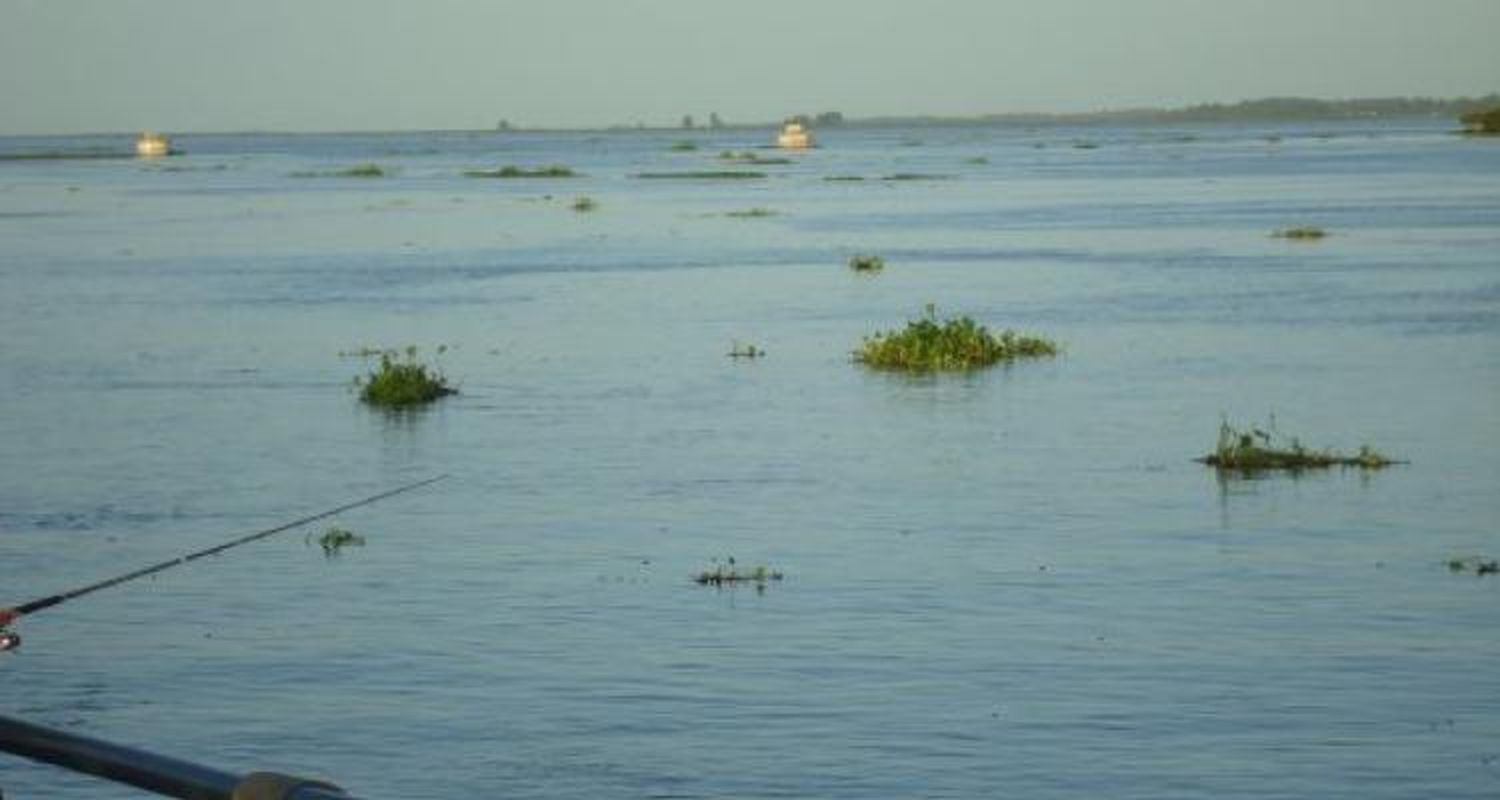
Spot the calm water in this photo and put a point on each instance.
(1014, 583)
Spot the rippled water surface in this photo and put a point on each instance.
(1009, 583)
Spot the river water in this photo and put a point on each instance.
(1013, 583)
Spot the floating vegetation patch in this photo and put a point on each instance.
(916, 176)
(703, 175)
(511, 171)
(403, 382)
(1475, 564)
(1304, 233)
(728, 573)
(843, 177)
(751, 213)
(977, 160)
(957, 344)
(584, 204)
(866, 263)
(745, 350)
(66, 155)
(749, 157)
(1256, 450)
(185, 168)
(356, 171)
(335, 539)
(684, 146)
(1085, 146)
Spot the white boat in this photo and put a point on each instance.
(794, 136)
(151, 145)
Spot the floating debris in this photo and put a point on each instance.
(751, 213)
(866, 263)
(584, 204)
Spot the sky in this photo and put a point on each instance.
(75, 66)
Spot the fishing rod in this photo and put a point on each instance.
(10, 640)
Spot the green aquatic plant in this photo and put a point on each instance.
(1478, 565)
(1300, 233)
(728, 573)
(738, 350)
(749, 157)
(977, 160)
(927, 345)
(840, 178)
(403, 383)
(584, 204)
(703, 175)
(511, 171)
(335, 539)
(866, 263)
(751, 213)
(684, 146)
(916, 176)
(356, 171)
(1257, 450)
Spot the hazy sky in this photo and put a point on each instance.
(200, 65)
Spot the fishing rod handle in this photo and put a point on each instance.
(38, 605)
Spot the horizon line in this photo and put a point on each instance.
(1120, 113)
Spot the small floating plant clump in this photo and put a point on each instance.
(357, 171)
(745, 350)
(403, 383)
(703, 175)
(957, 344)
(334, 540)
(1257, 450)
(866, 263)
(1303, 233)
(550, 171)
(684, 146)
(584, 204)
(751, 213)
(1475, 564)
(728, 573)
(750, 157)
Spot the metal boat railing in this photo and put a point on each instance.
(163, 775)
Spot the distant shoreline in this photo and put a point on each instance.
(1264, 110)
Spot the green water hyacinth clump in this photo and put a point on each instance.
(1301, 233)
(927, 345)
(403, 383)
(336, 539)
(552, 171)
(728, 573)
(1257, 450)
